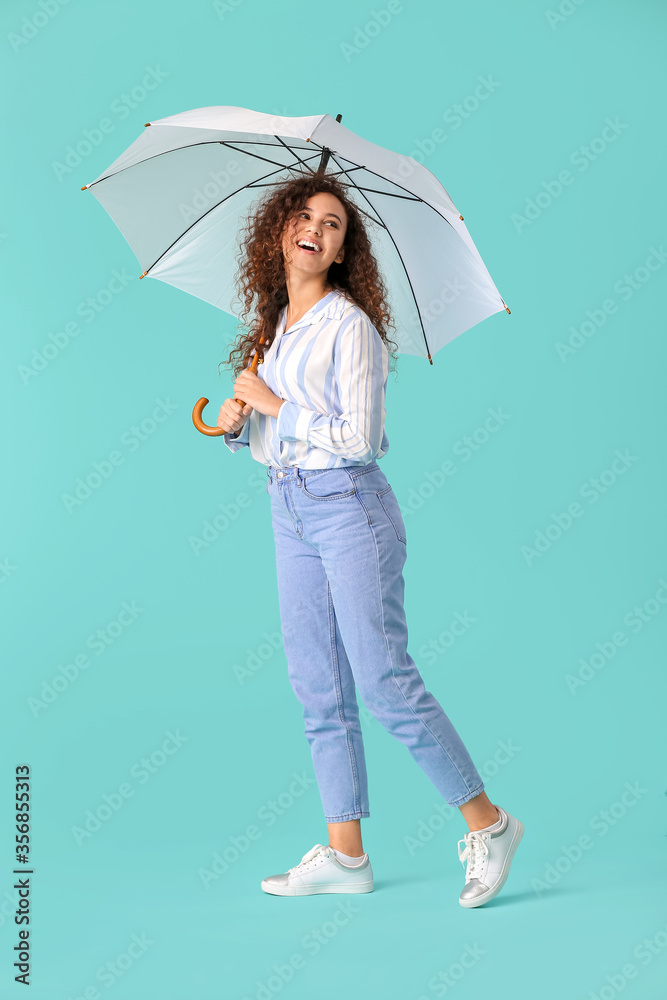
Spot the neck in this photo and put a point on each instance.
(303, 297)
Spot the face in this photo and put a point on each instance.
(321, 219)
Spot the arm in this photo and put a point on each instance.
(360, 367)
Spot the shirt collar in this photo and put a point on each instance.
(330, 306)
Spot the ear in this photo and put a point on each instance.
(339, 257)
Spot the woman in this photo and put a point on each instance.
(314, 416)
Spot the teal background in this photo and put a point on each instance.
(561, 927)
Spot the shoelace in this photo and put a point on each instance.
(474, 852)
(311, 855)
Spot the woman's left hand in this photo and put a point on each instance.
(253, 390)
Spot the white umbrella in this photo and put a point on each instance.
(180, 193)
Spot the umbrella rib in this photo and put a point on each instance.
(377, 222)
(191, 145)
(410, 196)
(401, 260)
(281, 166)
(197, 221)
(254, 184)
(302, 161)
(257, 157)
(298, 158)
(284, 166)
(388, 194)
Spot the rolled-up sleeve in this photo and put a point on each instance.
(360, 371)
(235, 442)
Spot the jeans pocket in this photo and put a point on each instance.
(389, 504)
(333, 484)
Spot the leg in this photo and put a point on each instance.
(320, 674)
(346, 837)
(479, 812)
(363, 559)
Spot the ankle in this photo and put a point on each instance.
(352, 851)
(483, 822)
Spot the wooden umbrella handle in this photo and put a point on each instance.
(202, 402)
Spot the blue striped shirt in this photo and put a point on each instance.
(331, 367)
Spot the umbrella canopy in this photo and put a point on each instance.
(180, 193)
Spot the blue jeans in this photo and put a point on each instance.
(340, 550)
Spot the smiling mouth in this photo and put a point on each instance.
(308, 249)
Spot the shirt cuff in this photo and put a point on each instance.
(294, 421)
(236, 441)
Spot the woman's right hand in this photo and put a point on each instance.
(233, 416)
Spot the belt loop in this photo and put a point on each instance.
(297, 477)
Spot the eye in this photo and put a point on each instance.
(331, 222)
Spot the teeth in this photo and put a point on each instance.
(308, 243)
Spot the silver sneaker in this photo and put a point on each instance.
(489, 855)
(321, 871)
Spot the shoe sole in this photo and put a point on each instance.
(310, 890)
(479, 900)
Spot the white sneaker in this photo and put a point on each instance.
(321, 871)
(489, 854)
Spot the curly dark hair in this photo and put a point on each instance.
(261, 273)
